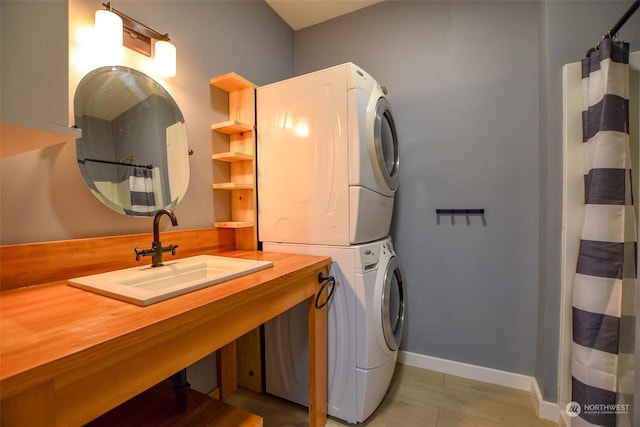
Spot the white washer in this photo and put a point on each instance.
(327, 158)
(365, 320)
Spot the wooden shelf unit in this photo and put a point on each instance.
(241, 158)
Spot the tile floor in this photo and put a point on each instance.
(417, 397)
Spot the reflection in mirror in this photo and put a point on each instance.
(134, 153)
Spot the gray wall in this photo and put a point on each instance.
(42, 195)
(476, 93)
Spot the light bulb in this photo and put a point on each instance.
(165, 58)
(108, 33)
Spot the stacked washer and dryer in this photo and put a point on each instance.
(327, 176)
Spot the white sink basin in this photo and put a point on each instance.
(147, 285)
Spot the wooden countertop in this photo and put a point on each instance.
(47, 331)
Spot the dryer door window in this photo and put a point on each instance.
(386, 144)
(393, 295)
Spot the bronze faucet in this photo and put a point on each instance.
(157, 250)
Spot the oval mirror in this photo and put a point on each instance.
(134, 153)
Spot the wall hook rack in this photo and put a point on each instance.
(460, 211)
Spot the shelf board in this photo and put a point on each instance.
(20, 136)
(232, 186)
(232, 127)
(233, 224)
(232, 156)
(231, 82)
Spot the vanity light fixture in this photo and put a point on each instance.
(137, 36)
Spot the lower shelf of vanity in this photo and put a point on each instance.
(156, 407)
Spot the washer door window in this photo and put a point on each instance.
(385, 139)
(393, 304)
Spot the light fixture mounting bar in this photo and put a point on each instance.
(136, 35)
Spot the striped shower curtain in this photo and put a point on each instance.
(143, 202)
(605, 281)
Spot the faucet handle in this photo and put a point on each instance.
(140, 253)
(173, 248)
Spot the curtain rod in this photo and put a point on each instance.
(614, 30)
(109, 162)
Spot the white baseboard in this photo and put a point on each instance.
(545, 410)
(465, 370)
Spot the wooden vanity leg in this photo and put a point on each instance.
(317, 365)
(227, 370)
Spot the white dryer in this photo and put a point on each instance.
(327, 158)
(365, 320)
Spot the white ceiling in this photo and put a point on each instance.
(304, 13)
